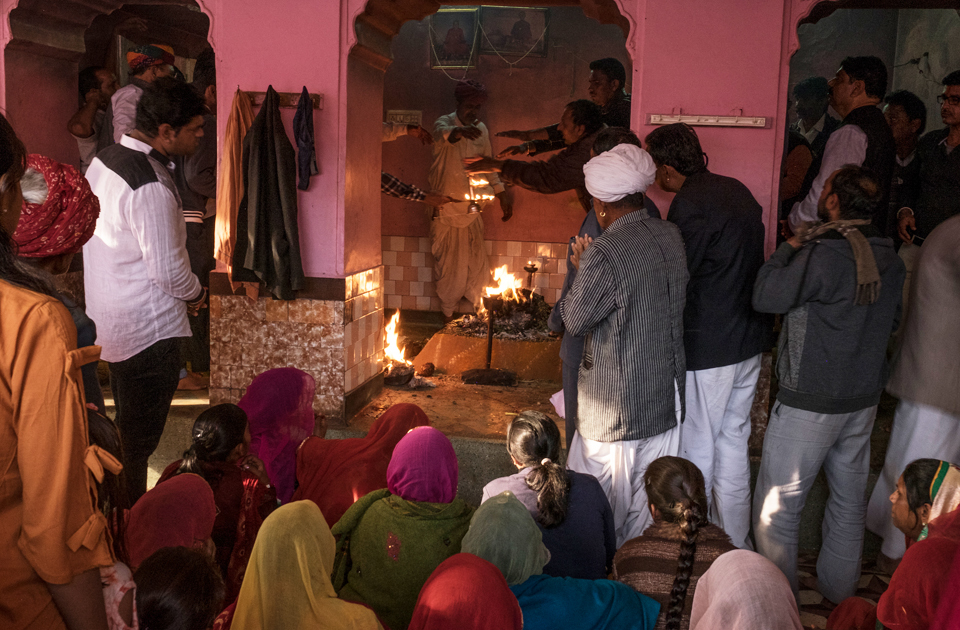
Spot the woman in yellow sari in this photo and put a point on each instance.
(287, 584)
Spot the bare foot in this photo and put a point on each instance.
(194, 381)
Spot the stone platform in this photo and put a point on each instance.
(531, 360)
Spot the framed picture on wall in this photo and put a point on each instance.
(513, 31)
(453, 37)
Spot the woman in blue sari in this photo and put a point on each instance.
(503, 533)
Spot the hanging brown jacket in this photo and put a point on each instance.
(268, 237)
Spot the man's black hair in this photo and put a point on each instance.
(611, 68)
(613, 136)
(168, 101)
(870, 70)
(812, 87)
(88, 80)
(586, 113)
(205, 71)
(912, 106)
(677, 145)
(858, 191)
(952, 79)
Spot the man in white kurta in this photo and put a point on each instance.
(456, 236)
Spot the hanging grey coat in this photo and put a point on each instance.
(268, 238)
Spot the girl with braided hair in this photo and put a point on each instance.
(671, 555)
(570, 508)
(220, 453)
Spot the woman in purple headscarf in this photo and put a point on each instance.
(279, 406)
(398, 536)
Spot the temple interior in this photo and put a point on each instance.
(367, 257)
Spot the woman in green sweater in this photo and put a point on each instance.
(390, 541)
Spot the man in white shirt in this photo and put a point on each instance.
(137, 276)
(456, 236)
(863, 138)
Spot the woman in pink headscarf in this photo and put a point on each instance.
(335, 473)
(279, 406)
(398, 536)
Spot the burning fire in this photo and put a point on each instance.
(475, 197)
(392, 351)
(508, 285)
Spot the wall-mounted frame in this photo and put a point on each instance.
(454, 32)
(514, 31)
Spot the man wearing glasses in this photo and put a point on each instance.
(939, 197)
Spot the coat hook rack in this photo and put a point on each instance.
(288, 100)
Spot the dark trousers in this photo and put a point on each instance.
(143, 387)
(570, 374)
(196, 349)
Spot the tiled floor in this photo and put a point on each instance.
(814, 609)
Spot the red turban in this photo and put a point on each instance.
(62, 223)
(467, 89)
(146, 56)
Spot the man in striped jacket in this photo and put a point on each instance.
(628, 298)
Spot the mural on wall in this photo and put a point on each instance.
(513, 31)
(453, 37)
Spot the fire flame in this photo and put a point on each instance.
(473, 196)
(508, 285)
(392, 351)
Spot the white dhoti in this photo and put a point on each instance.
(461, 270)
(919, 432)
(714, 436)
(619, 467)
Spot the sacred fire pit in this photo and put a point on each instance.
(509, 332)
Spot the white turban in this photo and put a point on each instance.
(623, 170)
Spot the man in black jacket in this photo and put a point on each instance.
(723, 336)
(564, 171)
(864, 138)
(607, 81)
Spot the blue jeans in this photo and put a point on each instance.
(797, 444)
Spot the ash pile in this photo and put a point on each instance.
(521, 318)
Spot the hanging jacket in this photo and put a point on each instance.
(303, 134)
(230, 182)
(268, 238)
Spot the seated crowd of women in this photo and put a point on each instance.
(263, 525)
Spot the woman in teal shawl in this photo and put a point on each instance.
(390, 541)
(503, 533)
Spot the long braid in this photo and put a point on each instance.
(676, 490)
(690, 526)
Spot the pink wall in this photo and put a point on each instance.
(719, 58)
(41, 96)
(289, 44)
(530, 95)
(698, 57)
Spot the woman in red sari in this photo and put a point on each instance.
(220, 453)
(925, 504)
(468, 593)
(335, 473)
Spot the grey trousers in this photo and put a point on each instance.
(797, 444)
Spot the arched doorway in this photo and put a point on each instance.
(49, 41)
(375, 28)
